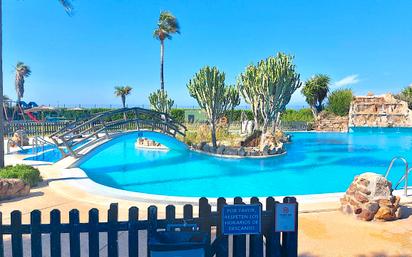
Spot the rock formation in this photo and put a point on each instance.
(379, 111)
(19, 138)
(369, 197)
(10, 188)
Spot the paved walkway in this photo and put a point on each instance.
(325, 233)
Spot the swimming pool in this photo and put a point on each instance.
(315, 163)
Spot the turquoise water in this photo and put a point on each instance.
(48, 153)
(314, 163)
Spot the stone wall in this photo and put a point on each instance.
(330, 122)
(379, 111)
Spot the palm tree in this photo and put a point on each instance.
(22, 71)
(69, 8)
(315, 91)
(166, 26)
(123, 92)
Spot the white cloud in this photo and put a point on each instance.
(346, 81)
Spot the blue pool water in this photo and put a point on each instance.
(314, 163)
(47, 153)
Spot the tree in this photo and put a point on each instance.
(122, 92)
(315, 91)
(213, 95)
(279, 80)
(159, 101)
(406, 95)
(248, 85)
(69, 8)
(22, 72)
(339, 102)
(166, 26)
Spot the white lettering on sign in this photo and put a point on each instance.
(285, 217)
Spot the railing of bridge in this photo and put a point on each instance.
(115, 121)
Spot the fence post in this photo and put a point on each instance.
(35, 237)
(290, 239)
(239, 241)
(187, 213)
(152, 224)
(222, 248)
(93, 233)
(55, 242)
(256, 241)
(133, 232)
(273, 247)
(112, 237)
(170, 214)
(16, 235)
(74, 233)
(205, 211)
(1, 236)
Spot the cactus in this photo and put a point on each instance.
(213, 95)
(159, 101)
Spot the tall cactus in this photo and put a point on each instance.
(248, 84)
(213, 95)
(279, 80)
(160, 101)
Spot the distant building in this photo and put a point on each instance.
(195, 116)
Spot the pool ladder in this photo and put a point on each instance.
(404, 177)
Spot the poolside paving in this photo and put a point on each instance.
(323, 231)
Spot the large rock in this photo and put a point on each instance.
(369, 197)
(19, 138)
(10, 188)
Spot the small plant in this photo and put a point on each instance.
(298, 115)
(406, 95)
(160, 101)
(339, 102)
(26, 173)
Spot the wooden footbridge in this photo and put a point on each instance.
(78, 134)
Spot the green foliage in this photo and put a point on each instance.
(249, 84)
(406, 95)
(26, 173)
(178, 115)
(315, 91)
(339, 102)
(213, 95)
(160, 101)
(166, 26)
(22, 71)
(298, 115)
(123, 92)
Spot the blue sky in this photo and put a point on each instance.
(365, 45)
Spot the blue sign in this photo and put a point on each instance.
(241, 219)
(285, 217)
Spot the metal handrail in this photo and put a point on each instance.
(402, 178)
(405, 176)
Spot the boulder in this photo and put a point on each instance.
(10, 188)
(241, 151)
(19, 138)
(220, 149)
(369, 197)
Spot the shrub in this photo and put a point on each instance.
(178, 115)
(339, 102)
(406, 95)
(26, 173)
(297, 115)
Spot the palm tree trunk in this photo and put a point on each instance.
(124, 106)
(162, 50)
(1, 91)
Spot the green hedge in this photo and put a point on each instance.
(178, 115)
(339, 102)
(26, 173)
(298, 115)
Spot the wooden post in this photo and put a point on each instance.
(256, 241)
(273, 247)
(35, 237)
(290, 239)
(112, 216)
(94, 233)
(239, 241)
(152, 224)
(222, 249)
(170, 214)
(1, 236)
(133, 232)
(74, 233)
(55, 240)
(16, 235)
